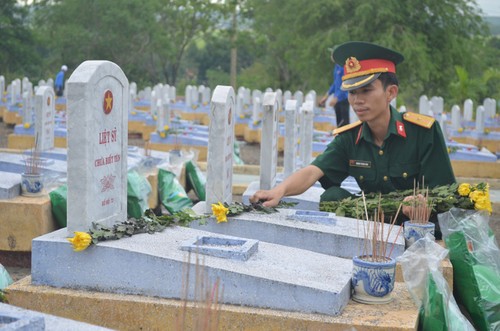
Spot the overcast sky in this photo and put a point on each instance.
(490, 7)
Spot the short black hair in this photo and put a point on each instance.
(388, 78)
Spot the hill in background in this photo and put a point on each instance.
(494, 24)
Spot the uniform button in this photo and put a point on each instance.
(361, 177)
(380, 152)
(386, 178)
(405, 175)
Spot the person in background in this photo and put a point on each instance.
(59, 82)
(385, 150)
(339, 100)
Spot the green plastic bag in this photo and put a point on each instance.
(172, 195)
(195, 180)
(5, 279)
(138, 190)
(58, 200)
(475, 257)
(430, 291)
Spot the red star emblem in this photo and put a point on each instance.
(108, 102)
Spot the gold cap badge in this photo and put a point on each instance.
(352, 64)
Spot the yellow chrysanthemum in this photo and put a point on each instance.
(27, 125)
(449, 150)
(80, 241)
(483, 203)
(460, 130)
(220, 212)
(464, 189)
(163, 134)
(242, 116)
(477, 195)
(166, 127)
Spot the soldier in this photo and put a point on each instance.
(385, 150)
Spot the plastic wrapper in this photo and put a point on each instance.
(438, 309)
(58, 201)
(138, 190)
(475, 257)
(5, 279)
(195, 180)
(172, 195)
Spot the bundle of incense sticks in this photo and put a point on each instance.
(420, 210)
(375, 242)
(32, 162)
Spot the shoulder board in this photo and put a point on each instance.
(419, 119)
(346, 127)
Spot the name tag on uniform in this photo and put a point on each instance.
(360, 164)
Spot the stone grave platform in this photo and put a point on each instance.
(274, 276)
(17, 141)
(316, 231)
(134, 312)
(476, 169)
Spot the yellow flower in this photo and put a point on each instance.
(242, 116)
(464, 189)
(27, 125)
(487, 131)
(80, 241)
(220, 212)
(163, 134)
(155, 117)
(460, 130)
(133, 113)
(166, 127)
(449, 150)
(477, 195)
(483, 203)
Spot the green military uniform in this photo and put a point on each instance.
(414, 149)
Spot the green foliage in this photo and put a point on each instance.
(280, 43)
(3, 299)
(441, 198)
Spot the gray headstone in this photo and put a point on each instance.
(468, 110)
(269, 142)
(219, 184)
(489, 105)
(290, 152)
(98, 95)
(45, 111)
(163, 115)
(187, 96)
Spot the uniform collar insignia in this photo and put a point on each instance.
(401, 129)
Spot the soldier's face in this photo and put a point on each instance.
(370, 102)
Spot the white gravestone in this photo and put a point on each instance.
(455, 117)
(299, 96)
(290, 152)
(2, 86)
(287, 95)
(423, 105)
(187, 96)
(172, 94)
(27, 111)
(163, 115)
(489, 105)
(256, 110)
(133, 90)
(219, 185)
(45, 111)
(306, 133)
(480, 119)
(468, 110)
(98, 93)
(269, 142)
